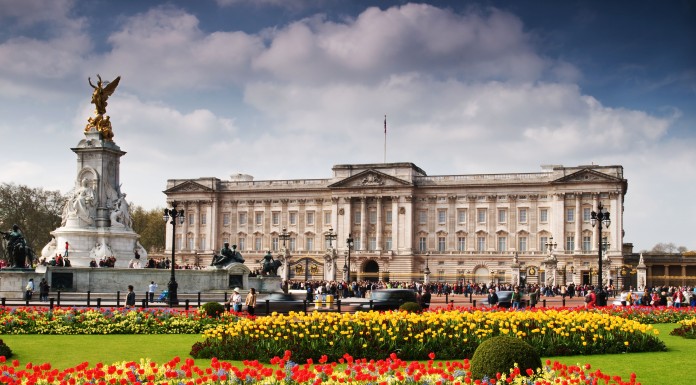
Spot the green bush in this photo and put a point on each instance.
(213, 309)
(499, 354)
(410, 307)
(5, 350)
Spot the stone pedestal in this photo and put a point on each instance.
(266, 284)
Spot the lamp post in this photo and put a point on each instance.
(284, 236)
(426, 272)
(349, 243)
(345, 267)
(331, 236)
(172, 286)
(600, 217)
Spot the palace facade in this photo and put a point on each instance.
(404, 223)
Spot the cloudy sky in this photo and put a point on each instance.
(284, 89)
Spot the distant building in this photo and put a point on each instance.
(462, 227)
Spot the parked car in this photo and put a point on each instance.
(505, 299)
(621, 299)
(279, 303)
(384, 299)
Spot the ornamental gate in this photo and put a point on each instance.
(307, 269)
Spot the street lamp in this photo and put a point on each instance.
(349, 243)
(172, 285)
(426, 272)
(331, 236)
(345, 267)
(284, 236)
(602, 217)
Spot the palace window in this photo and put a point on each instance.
(275, 218)
(502, 216)
(481, 244)
(226, 219)
(441, 244)
(502, 244)
(441, 216)
(586, 244)
(310, 218)
(257, 243)
(388, 217)
(204, 219)
(570, 242)
(543, 215)
(372, 245)
(422, 217)
(461, 216)
(292, 218)
(522, 215)
(191, 218)
(189, 240)
(373, 217)
(293, 243)
(522, 243)
(242, 219)
(327, 217)
(275, 241)
(461, 244)
(388, 243)
(570, 215)
(542, 243)
(422, 244)
(202, 242)
(481, 215)
(586, 214)
(310, 243)
(357, 218)
(258, 218)
(242, 243)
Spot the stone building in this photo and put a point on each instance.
(533, 227)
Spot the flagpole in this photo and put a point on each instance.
(385, 138)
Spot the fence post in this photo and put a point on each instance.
(474, 302)
(58, 300)
(446, 298)
(268, 305)
(146, 296)
(50, 306)
(471, 297)
(371, 304)
(199, 298)
(98, 303)
(227, 306)
(89, 294)
(338, 305)
(187, 304)
(3, 301)
(304, 302)
(563, 301)
(543, 302)
(118, 298)
(144, 303)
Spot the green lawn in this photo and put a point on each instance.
(67, 351)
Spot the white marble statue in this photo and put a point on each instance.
(49, 250)
(82, 203)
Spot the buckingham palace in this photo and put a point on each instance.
(406, 225)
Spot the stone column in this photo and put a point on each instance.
(395, 224)
(379, 224)
(578, 224)
(408, 225)
(363, 225)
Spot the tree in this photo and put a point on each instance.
(36, 211)
(667, 248)
(149, 225)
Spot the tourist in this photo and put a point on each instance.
(151, 290)
(425, 299)
(43, 290)
(236, 301)
(492, 298)
(130, 298)
(516, 298)
(250, 301)
(29, 289)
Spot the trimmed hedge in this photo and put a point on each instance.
(499, 354)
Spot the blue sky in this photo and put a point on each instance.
(284, 89)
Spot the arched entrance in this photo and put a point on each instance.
(482, 275)
(371, 271)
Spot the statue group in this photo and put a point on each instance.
(227, 255)
(18, 253)
(270, 266)
(101, 122)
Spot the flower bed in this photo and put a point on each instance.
(285, 372)
(651, 315)
(28, 320)
(686, 329)
(453, 334)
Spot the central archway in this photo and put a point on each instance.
(371, 271)
(482, 275)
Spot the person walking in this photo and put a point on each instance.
(29, 289)
(250, 301)
(43, 289)
(151, 290)
(130, 298)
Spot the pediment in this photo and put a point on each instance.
(585, 176)
(370, 179)
(188, 186)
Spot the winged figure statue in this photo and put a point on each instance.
(101, 94)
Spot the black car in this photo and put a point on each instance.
(505, 299)
(385, 299)
(280, 303)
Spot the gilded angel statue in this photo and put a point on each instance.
(101, 94)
